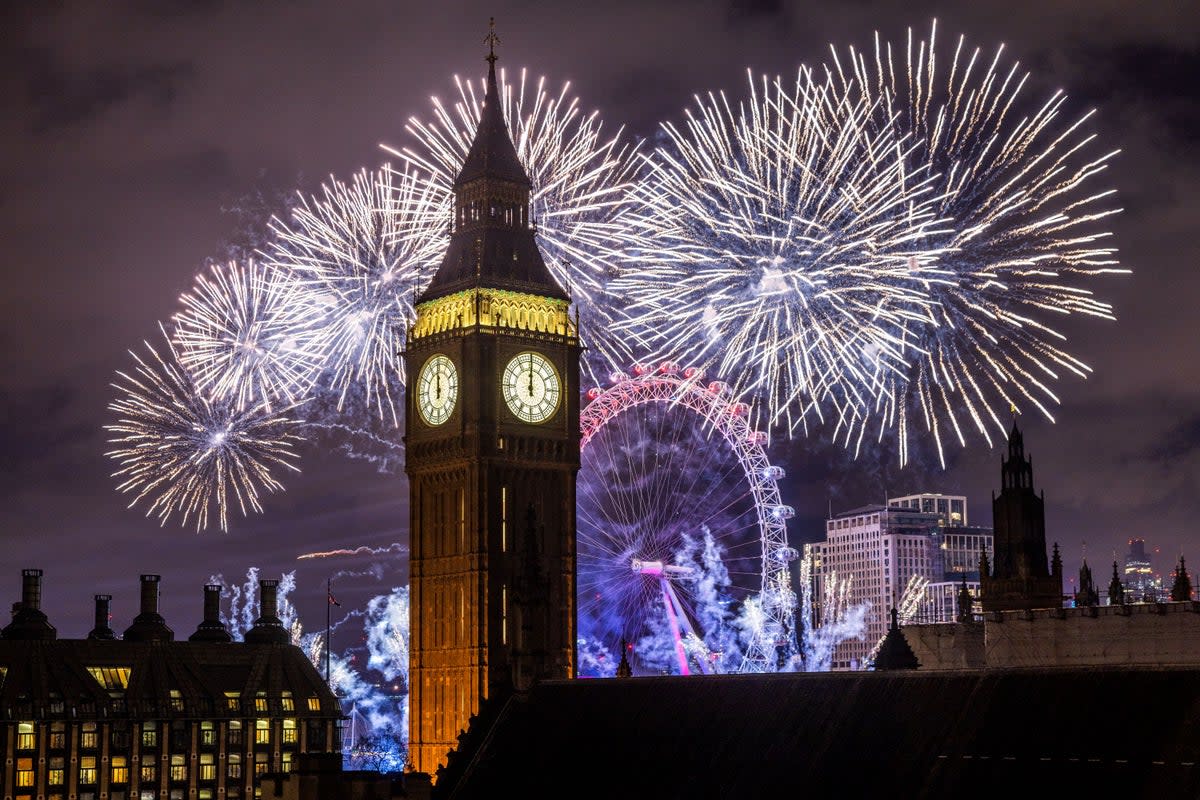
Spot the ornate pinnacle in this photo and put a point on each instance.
(491, 40)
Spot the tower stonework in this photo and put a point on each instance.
(1019, 577)
(492, 452)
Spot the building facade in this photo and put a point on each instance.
(145, 716)
(952, 508)
(492, 451)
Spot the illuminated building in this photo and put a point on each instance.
(492, 451)
(1142, 584)
(882, 548)
(147, 717)
(952, 508)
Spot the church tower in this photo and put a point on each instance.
(1019, 577)
(492, 452)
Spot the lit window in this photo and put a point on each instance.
(26, 736)
(235, 733)
(208, 733)
(260, 702)
(149, 772)
(88, 738)
(111, 677)
(120, 769)
(56, 775)
(178, 767)
(149, 734)
(176, 700)
(261, 765)
(289, 731)
(235, 765)
(58, 736)
(314, 704)
(262, 731)
(287, 761)
(288, 703)
(24, 772)
(232, 700)
(208, 767)
(87, 769)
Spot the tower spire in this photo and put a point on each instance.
(491, 40)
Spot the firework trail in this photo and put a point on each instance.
(581, 176)
(840, 619)
(892, 234)
(185, 454)
(355, 257)
(244, 339)
(363, 550)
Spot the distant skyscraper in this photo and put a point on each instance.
(1142, 585)
(880, 549)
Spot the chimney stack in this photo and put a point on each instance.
(149, 625)
(211, 629)
(102, 631)
(28, 621)
(268, 628)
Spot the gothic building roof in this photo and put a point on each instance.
(493, 243)
(893, 734)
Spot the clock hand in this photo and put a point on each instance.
(531, 375)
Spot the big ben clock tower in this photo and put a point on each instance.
(492, 451)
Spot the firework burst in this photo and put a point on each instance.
(782, 230)
(1025, 229)
(581, 176)
(355, 257)
(890, 234)
(188, 455)
(242, 338)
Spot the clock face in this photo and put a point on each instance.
(437, 390)
(530, 387)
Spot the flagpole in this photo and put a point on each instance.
(328, 604)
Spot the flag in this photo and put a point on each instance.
(333, 602)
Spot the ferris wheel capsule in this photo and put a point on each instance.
(642, 369)
(782, 512)
(594, 392)
(693, 373)
(773, 473)
(738, 409)
(668, 368)
(756, 437)
(617, 377)
(719, 388)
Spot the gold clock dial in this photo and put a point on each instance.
(531, 387)
(437, 390)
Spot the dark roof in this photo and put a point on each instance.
(508, 258)
(37, 674)
(899, 734)
(492, 153)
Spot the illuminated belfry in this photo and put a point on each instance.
(492, 451)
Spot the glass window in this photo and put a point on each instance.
(232, 700)
(120, 769)
(149, 734)
(260, 702)
(26, 736)
(261, 765)
(314, 704)
(149, 772)
(208, 767)
(208, 733)
(178, 767)
(262, 731)
(176, 700)
(87, 769)
(288, 703)
(58, 735)
(234, 735)
(89, 739)
(289, 731)
(56, 774)
(235, 765)
(24, 772)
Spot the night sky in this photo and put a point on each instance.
(141, 139)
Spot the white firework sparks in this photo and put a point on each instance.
(187, 455)
(357, 255)
(242, 338)
(581, 176)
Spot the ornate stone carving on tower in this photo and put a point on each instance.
(1019, 577)
(492, 452)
